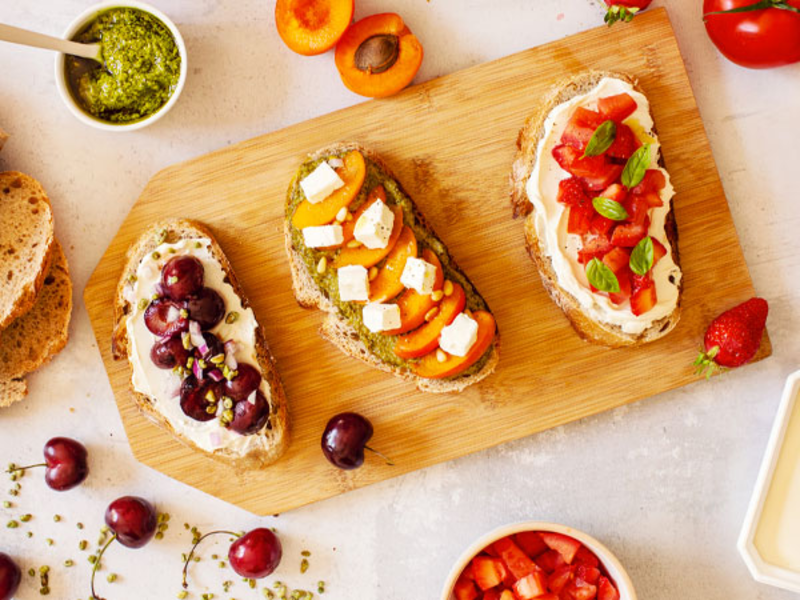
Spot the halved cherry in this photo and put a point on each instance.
(413, 305)
(386, 284)
(430, 367)
(165, 317)
(367, 257)
(426, 339)
(617, 108)
(352, 173)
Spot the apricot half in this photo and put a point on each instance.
(430, 367)
(413, 305)
(425, 339)
(352, 173)
(378, 56)
(387, 284)
(312, 27)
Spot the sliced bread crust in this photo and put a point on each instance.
(336, 329)
(605, 334)
(274, 439)
(26, 243)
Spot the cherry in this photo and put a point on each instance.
(206, 307)
(65, 464)
(133, 522)
(244, 384)
(214, 344)
(345, 439)
(193, 398)
(10, 576)
(169, 353)
(253, 555)
(181, 277)
(249, 417)
(163, 317)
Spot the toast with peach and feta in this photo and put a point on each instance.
(360, 250)
(599, 223)
(200, 366)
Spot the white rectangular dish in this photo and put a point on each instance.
(770, 538)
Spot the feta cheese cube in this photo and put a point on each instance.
(374, 227)
(419, 275)
(321, 183)
(380, 317)
(323, 236)
(353, 283)
(459, 337)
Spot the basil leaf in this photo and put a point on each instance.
(636, 167)
(601, 277)
(642, 256)
(610, 209)
(601, 139)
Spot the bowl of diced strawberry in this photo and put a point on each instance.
(538, 561)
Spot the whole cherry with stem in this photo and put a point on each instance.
(253, 555)
(65, 462)
(345, 438)
(132, 521)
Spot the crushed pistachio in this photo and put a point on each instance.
(156, 255)
(144, 303)
(26, 518)
(83, 544)
(304, 565)
(56, 518)
(7, 504)
(112, 577)
(182, 595)
(232, 317)
(305, 553)
(80, 525)
(12, 524)
(68, 563)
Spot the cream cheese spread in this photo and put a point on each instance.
(162, 386)
(551, 217)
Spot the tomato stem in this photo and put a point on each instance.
(760, 5)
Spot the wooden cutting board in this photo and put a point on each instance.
(451, 142)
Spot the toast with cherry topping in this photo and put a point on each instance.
(416, 347)
(225, 390)
(610, 223)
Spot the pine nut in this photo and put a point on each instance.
(441, 355)
(342, 214)
(431, 313)
(373, 273)
(468, 312)
(322, 265)
(448, 288)
(437, 295)
(348, 216)
(353, 244)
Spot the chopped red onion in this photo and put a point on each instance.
(230, 355)
(216, 375)
(196, 334)
(197, 369)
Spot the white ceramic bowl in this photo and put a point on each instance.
(61, 78)
(614, 568)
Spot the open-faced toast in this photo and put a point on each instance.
(562, 242)
(410, 322)
(195, 356)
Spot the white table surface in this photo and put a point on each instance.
(665, 483)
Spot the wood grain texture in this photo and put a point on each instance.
(451, 143)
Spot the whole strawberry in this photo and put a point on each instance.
(624, 10)
(734, 337)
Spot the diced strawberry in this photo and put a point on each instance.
(550, 561)
(617, 260)
(467, 572)
(571, 192)
(604, 178)
(606, 590)
(465, 589)
(548, 597)
(488, 571)
(564, 545)
(531, 586)
(624, 279)
(644, 297)
(625, 143)
(653, 181)
(637, 209)
(516, 560)
(492, 594)
(560, 578)
(594, 247)
(586, 557)
(601, 225)
(531, 543)
(617, 108)
(580, 590)
(508, 595)
(653, 199)
(659, 251)
(628, 236)
(616, 192)
(566, 155)
(491, 551)
(581, 127)
(588, 574)
(580, 219)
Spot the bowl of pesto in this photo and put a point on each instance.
(143, 67)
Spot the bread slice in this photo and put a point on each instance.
(527, 145)
(336, 329)
(41, 333)
(26, 243)
(273, 440)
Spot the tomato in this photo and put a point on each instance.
(758, 39)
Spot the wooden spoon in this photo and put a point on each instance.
(15, 35)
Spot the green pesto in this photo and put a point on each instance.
(378, 344)
(140, 71)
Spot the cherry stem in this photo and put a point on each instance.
(96, 565)
(15, 469)
(196, 544)
(382, 455)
